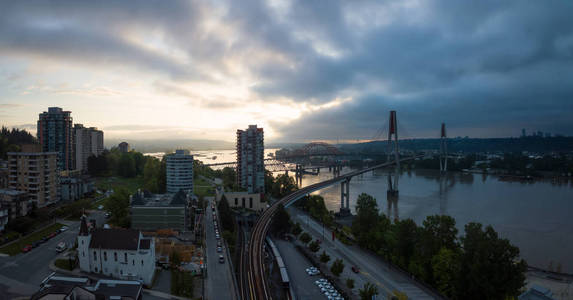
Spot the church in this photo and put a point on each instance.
(118, 253)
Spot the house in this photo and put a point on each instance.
(118, 253)
(69, 288)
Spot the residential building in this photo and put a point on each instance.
(4, 217)
(250, 159)
(118, 253)
(36, 173)
(74, 188)
(82, 288)
(3, 177)
(179, 171)
(123, 147)
(55, 135)
(87, 142)
(160, 211)
(17, 203)
(243, 200)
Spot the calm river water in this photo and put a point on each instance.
(535, 216)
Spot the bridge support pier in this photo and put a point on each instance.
(345, 196)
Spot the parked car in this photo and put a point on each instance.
(64, 228)
(53, 234)
(26, 248)
(61, 247)
(217, 236)
(36, 244)
(100, 207)
(355, 269)
(219, 249)
(221, 259)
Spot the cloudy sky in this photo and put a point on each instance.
(304, 70)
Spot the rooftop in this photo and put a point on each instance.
(121, 239)
(142, 199)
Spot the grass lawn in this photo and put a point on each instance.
(201, 187)
(131, 184)
(16, 247)
(64, 263)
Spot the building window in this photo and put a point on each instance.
(133, 262)
(251, 202)
(82, 242)
(236, 201)
(142, 262)
(104, 256)
(95, 257)
(115, 256)
(83, 254)
(125, 256)
(243, 202)
(96, 269)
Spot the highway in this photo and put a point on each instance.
(258, 286)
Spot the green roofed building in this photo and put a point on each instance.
(160, 211)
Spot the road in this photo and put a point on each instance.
(219, 278)
(372, 268)
(21, 274)
(301, 283)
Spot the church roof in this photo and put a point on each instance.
(120, 239)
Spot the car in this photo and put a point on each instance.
(221, 259)
(107, 215)
(36, 244)
(53, 234)
(219, 244)
(64, 228)
(44, 239)
(27, 248)
(100, 207)
(217, 236)
(61, 247)
(219, 249)
(355, 269)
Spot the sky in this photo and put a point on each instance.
(303, 70)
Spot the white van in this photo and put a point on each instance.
(61, 247)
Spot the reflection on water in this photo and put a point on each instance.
(536, 216)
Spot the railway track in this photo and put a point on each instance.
(255, 269)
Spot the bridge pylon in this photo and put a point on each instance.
(393, 154)
(345, 197)
(443, 150)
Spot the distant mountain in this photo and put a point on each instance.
(471, 145)
(167, 145)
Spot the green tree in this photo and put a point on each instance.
(324, 257)
(118, 205)
(368, 291)
(446, 268)
(296, 230)
(337, 267)
(226, 215)
(437, 232)
(229, 176)
(314, 246)
(406, 234)
(305, 238)
(283, 186)
(366, 216)
(350, 283)
(490, 266)
(281, 221)
(151, 173)
(126, 166)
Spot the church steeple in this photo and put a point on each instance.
(83, 226)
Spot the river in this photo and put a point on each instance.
(535, 216)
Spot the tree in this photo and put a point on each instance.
(305, 238)
(283, 186)
(446, 268)
(296, 230)
(350, 283)
(314, 246)
(490, 266)
(337, 267)
(229, 176)
(324, 257)
(406, 237)
(118, 205)
(368, 291)
(438, 232)
(226, 215)
(366, 216)
(151, 173)
(126, 166)
(281, 221)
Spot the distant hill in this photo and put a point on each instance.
(471, 145)
(166, 145)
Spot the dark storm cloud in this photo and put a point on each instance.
(487, 68)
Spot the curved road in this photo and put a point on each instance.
(255, 269)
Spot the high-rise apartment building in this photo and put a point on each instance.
(55, 135)
(123, 147)
(87, 142)
(179, 171)
(250, 159)
(36, 173)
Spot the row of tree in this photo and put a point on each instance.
(11, 139)
(479, 265)
(316, 208)
(279, 186)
